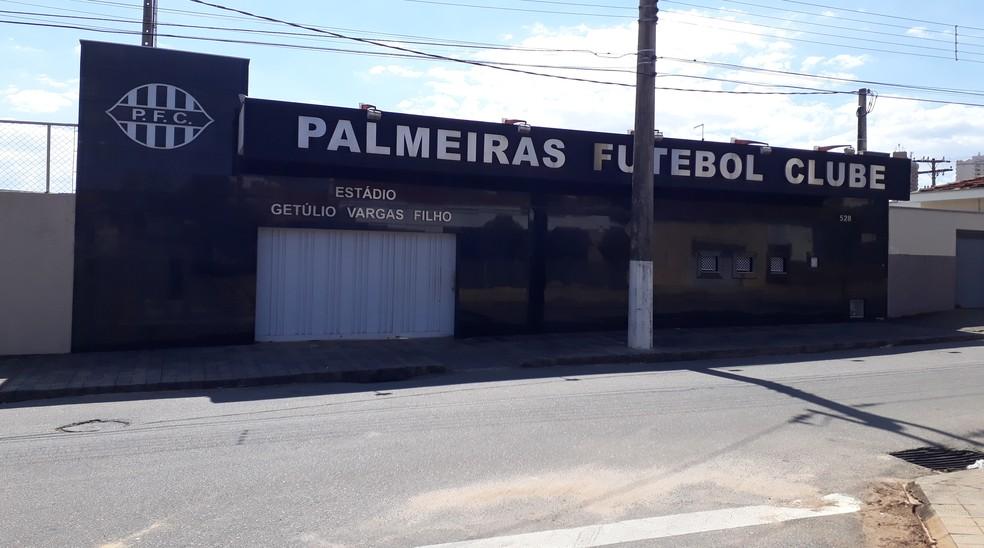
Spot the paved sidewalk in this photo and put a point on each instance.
(954, 508)
(33, 377)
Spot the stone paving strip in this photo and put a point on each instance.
(953, 509)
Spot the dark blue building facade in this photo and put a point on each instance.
(179, 170)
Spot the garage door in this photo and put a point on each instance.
(970, 269)
(346, 284)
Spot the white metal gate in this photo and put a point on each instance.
(346, 284)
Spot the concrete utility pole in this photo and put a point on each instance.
(148, 37)
(932, 170)
(640, 334)
(862, 120)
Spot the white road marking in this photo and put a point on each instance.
(662, 526)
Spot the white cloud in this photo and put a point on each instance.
(918, 32)
(54, 96)
(810, 62)
(845, 61)
(20, 48)
(58, 84)
(38, 101)
(396, 70)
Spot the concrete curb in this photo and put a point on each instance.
(383, 374)
(709, 354)
(390, 374)
(939, 535)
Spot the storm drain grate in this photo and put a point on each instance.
(939, 458)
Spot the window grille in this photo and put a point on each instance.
(743, 264)
(707, 263)
(777, 265)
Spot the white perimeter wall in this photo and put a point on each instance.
(924, 231)
(922, 247)
(37, 242)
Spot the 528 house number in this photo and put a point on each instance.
(845, 218)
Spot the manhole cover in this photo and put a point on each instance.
(94, 425)
(939, 458)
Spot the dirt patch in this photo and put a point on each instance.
(888, 519)
(594, 493)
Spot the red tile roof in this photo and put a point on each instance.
(962, 185)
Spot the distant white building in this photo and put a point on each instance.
(970, 169)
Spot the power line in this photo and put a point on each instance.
(579, 4)
(811, 23)
(820, 42)
(555, 2)
(527, 65)
(339, 50)
(835, 17)
(496, 65)
(305, 35)
(441, 41)
(505, 8)
(801, 2)
(733, 66)
(826, 34)
(899, 17)
(503, 66)
(480, 64)
(401, 48)
(686, 14)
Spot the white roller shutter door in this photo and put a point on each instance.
(346, 284)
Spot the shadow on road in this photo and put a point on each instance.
(840, 411)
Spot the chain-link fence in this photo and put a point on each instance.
(38, 156)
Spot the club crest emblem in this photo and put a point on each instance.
(160, 116)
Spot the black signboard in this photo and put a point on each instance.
(160, 255)
(280, 137)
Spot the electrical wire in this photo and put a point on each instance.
(339, 50)
(527, 65)
(825, 34)
(499, 65)
(889, 16)
(745, 68)
(489, 64)
(525, 10)
(424, 39)
(302, 35)
(688, 14)
(801, 2)
(442, 41)
(737, 12)
(219, 6)
(820, 42)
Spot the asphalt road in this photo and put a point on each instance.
(460, 457)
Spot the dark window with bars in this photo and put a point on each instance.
(743, 264)
(707, 263)
(777, 265)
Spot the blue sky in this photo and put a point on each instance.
(38, 80)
